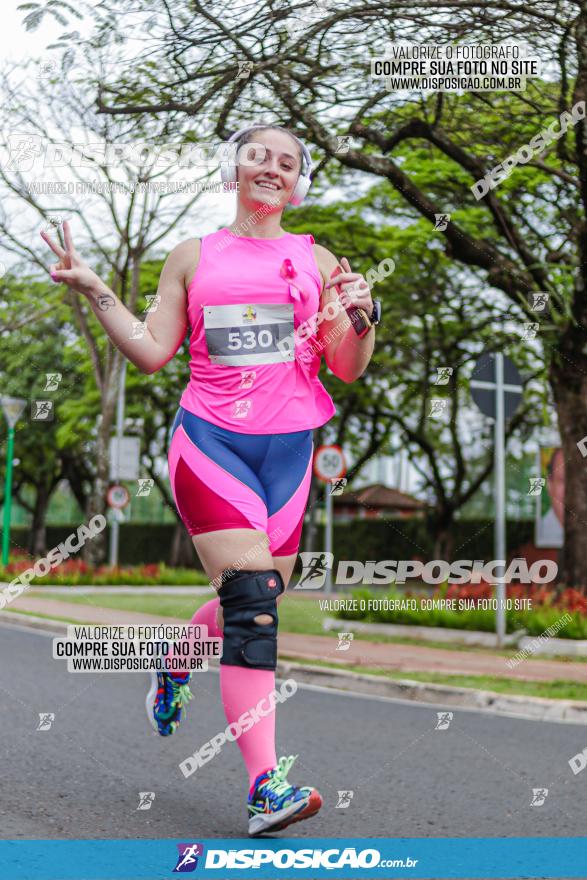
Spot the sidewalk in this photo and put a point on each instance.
(401, 658)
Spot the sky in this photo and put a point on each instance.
(20, 45)
(17, 43)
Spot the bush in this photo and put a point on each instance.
(361, 539)
(412, 538)
(75, 572)
(140, 543)
(535, 621)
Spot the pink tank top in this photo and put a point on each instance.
(249, 370)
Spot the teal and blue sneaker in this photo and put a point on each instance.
(166, 701)
(274, 803)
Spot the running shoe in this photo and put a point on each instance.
(166, 701)
(274, 803)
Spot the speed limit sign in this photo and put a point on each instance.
(118, 497)
(329, 463)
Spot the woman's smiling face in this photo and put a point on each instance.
(271, 180)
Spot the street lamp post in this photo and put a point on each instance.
(12, 408)
(117, 515)
(497, 391)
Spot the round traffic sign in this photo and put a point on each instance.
(329, 463)
(118, 497)
(484, 384)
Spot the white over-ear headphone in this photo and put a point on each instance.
(228, 168)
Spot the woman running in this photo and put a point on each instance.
(262, 308)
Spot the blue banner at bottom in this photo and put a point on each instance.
(383, 857)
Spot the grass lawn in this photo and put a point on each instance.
(302, 615)
(297, 614)
(553, 690)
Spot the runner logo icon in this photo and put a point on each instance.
(444, 719)
(188, 857)
(344, 799)
(314, 568)
(539, 795)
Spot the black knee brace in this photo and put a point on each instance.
(243, 596)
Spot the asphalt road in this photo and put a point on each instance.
(82, 777)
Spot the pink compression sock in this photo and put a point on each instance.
(242, 689)
(205, 615)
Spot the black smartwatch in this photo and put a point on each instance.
(375, 316)
(361, 321)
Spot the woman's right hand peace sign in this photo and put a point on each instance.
(71, 269)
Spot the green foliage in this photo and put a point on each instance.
(538, 620)
(535, 621)
(29, 350)
(362, 540)
(139, 576)
(433, 316)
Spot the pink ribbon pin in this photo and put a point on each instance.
(288, 272)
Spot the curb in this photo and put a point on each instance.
(425, 633)
(139, 589)
(491, 702)
(29, 620)
(554, 647)
(538, 708)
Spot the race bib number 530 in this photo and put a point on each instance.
(244, 335)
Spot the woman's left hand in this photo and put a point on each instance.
(356, 290)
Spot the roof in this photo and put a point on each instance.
(377, 495)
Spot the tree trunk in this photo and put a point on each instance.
(443, 528)
(37, 544)
(183, 553)
(72, 472)
(311, 527)
(94, 551)
(568, 368)
(568, 376)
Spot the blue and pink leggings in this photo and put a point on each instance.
(222, 479)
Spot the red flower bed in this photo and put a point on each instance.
(569, 599)
(68, 566)
(572, 600)
(79, 567)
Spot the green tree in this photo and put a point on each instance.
(39, 363)
(120, 216)
(435, 317)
